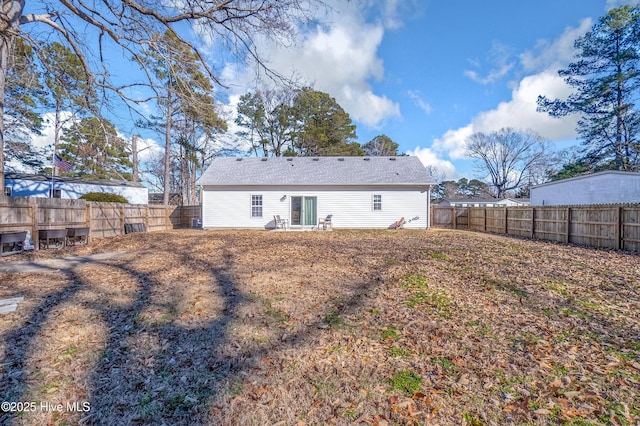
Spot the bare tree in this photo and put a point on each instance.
(508, 156)
(91, 29)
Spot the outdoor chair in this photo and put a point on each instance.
(326, 223)
(280, 223)
(399, 224)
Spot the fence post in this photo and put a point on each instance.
(533, 222)
(484, 218)
(620, 228)
(121, 213)
(454, 221)
(506, 218)
(34, 223)
(88, 213)
(568, 221)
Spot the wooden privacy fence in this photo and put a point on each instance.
(32, 214)
(603, 226)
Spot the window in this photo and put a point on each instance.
(256, 206)
(377, 202)
(7, 191)
(57, 193)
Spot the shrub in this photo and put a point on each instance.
(104, 197)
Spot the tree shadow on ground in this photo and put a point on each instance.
(154, 373)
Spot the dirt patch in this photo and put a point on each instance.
(48, 264)
(347, 327)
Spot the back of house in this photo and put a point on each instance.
(359, 192)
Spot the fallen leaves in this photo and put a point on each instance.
(311, 328)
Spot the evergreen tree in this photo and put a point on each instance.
(323, 127)
(606, 78)
(23, 95)
(68, 85)
(95, 150)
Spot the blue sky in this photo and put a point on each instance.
(427, 73)
(430, 73)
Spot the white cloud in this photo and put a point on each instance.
(520, 112)
(500, 57)
(418, 100)
(430, 158)
(339, 61)
(453, 142)
(554, 54)
(148, 149)
(339, 58)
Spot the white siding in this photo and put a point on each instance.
(33, 188)
(600, 188)
(350, 207)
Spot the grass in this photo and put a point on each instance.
(406, 382)
(416, 327)
(389, 333)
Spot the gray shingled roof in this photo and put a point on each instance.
(316, 171)
(70, 179)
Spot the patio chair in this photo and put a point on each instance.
(399, 224)
(326, 223)
(280, 223)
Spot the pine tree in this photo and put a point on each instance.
(606, 78)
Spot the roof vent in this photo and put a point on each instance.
(392, 158)
(315, 159)
(238, 159)
(340, 159)
(289, 159)
(366, 158)
(263, 159)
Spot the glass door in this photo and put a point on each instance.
(304, 211)
(296, 211)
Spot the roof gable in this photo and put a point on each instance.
(229, 171)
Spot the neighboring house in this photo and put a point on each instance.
(483, 202)
(359, 192)
(609, 187)
(26, 185)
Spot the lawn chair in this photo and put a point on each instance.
(326, 223)
(280, 223)
(399, 224)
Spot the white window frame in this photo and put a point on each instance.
(257, 205)
(376, 205)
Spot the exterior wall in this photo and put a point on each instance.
(605, 188)
(350, 207)
(33, 188)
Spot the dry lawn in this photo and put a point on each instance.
(343, 327)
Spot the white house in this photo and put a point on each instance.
(359, 192)
(609, 187)
(26, 185)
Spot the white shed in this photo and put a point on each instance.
(359, 192)
(609, 187)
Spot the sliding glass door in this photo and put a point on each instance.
(304, 211)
